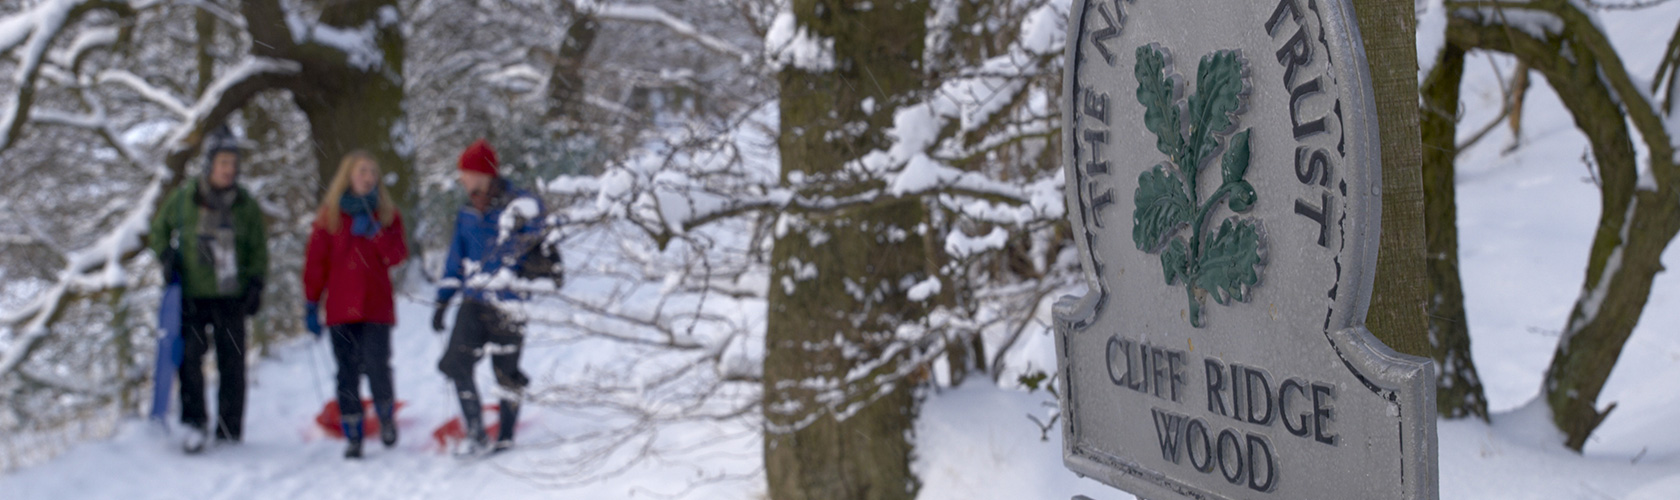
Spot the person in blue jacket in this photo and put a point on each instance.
(495, 233)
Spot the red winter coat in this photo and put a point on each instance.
(354, 272)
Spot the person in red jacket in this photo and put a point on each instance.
(357, 239)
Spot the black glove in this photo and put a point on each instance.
(437, 317)
(253, 296)
(171, 264)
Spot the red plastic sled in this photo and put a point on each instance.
(329, 422)
(452, 430)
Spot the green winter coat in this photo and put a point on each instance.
(178, 216)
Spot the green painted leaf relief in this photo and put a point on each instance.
(1242, 196)
(1235, 163)
(1159, 95)
(1226, 263)
(1220, 89)
(1175, 262)
(1230, 263)
(1162, 208)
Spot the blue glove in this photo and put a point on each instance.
(312, 318)
(364, 225)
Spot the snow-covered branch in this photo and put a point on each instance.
(151, 93)
(30, 33)
(655, 15)
(359, 44)
(86, 41)
(96, 267)
(101, 265)
(34, 29)
(90, 121)
(683, 353)
(225, 94)
(220, 12)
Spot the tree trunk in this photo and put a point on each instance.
(838, 412)
(1397, 309)
(1458, 389)
(351, 103)
(1636, 223)
(352, 106)
(351, 110)
(565, 81)
(205, 25)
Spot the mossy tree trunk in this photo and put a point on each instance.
(351, 102)
(1458, 387)
(1636, 222)
(1396, 315)
(838, 410)
(565, 87)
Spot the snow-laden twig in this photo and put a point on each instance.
(684, 366)
(90, 121)
(96, 267)
(85, 41)
(247, 70)
(151, 93)
(655, 15)
(34, 29)
(220, 12)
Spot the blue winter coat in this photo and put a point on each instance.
(479, 250)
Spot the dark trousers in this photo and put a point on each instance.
(481, 328)
(363, 349)
(221, 320)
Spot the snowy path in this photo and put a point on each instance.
(286, 457)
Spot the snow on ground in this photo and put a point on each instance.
(1526, 219)
(976, 442)
(285, 456)
(1520, 457)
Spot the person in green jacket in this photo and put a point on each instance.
(209, 236)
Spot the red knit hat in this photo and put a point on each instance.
(479, 158)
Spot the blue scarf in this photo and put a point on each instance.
(361, 210)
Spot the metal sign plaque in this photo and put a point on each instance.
(1224, 181)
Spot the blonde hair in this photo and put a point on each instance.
(328, 217)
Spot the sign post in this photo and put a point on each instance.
(1224, 184)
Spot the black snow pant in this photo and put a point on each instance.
(363, 349)
(481, 328)
(221, 320)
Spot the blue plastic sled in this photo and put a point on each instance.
(169, 348)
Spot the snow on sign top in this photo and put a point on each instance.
(1224, 173)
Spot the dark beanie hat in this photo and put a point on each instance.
(220, 140)
(479, 157)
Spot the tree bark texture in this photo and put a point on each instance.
(838, 406)
(1458, 387)
(1396, 315)
(351, 103)
(565, 87)
(1636, 223)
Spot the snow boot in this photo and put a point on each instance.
(387, 423)
(509, 414)
(224, 436)
(352, 425)
(194, 438)
(474, 443)
(472, 422)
